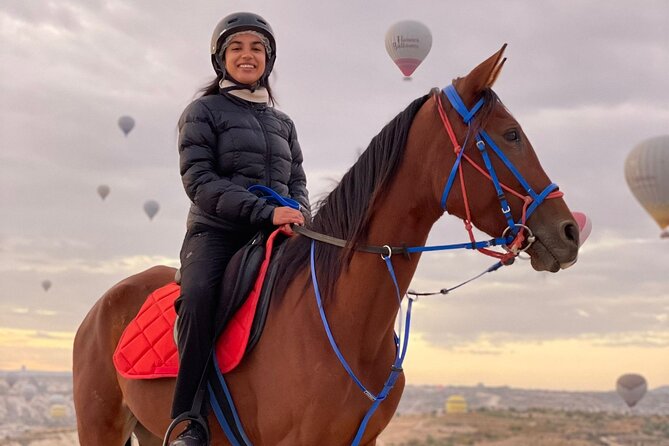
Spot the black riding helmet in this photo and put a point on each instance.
(237, 22)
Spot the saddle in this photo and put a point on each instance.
(147, 348)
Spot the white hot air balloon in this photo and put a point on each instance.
(103, 191)
(46, 284)
(631, 388)
(151, 208)
(126, 123)
(647, 175)
(408, 43)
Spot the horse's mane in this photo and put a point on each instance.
(346, 212)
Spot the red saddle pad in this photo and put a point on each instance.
(147, 349)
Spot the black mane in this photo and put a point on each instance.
(345, 213)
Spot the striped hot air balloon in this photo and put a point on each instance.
(647, 175)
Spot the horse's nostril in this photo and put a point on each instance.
(571, 232)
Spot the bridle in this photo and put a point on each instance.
(531, 201)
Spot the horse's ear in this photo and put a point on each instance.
(495, 73)
(483, 76)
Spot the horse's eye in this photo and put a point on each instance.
(512, 136)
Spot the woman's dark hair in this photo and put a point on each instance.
(213, 88)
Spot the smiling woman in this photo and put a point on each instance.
(229, 140)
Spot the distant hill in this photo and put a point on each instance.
(664, 390)
(430, 399)
(34, 373)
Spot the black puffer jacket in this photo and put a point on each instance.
(227, 144)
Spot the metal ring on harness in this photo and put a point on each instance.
(390, 252)
(530, 239)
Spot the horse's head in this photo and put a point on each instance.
(496, 146)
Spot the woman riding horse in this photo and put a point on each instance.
(292, 388)
(229, 139)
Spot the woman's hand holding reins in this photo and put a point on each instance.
(285, 216)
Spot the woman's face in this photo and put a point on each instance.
(245, 59)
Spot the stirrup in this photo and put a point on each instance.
(187, 416)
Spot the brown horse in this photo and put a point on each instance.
(291, 389)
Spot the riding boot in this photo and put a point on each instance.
(193, 435)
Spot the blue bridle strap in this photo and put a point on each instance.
(506, 209)
(538, 198)
(451, 179)
(459, 106)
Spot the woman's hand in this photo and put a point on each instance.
(285, 216)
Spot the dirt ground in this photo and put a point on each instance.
(535, 428)
(480, 428)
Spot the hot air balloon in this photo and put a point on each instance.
(11, 378)
(584, 226)
(58, 411)
(631, 388)
(103, 191)
(29, 391)
(456, 404)
(126, 123)
(408, 42)
(151, 207)
(647, 175)
(46, 284)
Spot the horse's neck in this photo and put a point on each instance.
(366, 301)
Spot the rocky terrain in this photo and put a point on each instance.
(36, 410)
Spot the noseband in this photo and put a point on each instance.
(515, 230)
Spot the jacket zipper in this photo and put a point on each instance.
(268, 150)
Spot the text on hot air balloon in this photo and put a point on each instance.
(405, 42)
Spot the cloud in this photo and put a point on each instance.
(650, 339)
(587, 83)
(55, 15)
(596, 296)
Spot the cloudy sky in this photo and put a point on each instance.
(587, 79)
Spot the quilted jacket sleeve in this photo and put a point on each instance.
(206, 189)
(297, 186)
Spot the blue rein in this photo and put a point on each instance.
(400, 354)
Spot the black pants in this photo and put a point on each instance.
(204, 255)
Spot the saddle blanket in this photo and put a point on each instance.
(147, 349)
